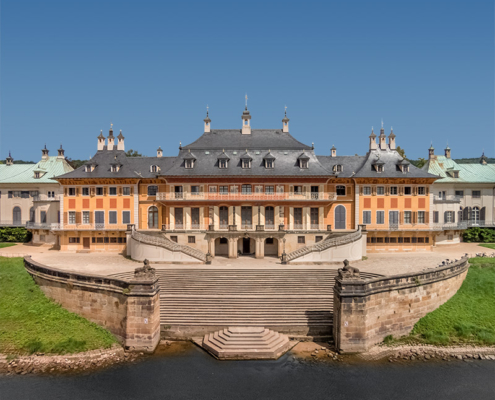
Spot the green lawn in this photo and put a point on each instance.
(468, 317)
(30, 322)
(2, 245)
(488, 245)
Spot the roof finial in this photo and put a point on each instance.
(207, 108)
(246, 100)
(111, 125)
(382, 123)
(286, 110)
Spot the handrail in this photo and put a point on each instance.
(325, 244)
(168, 244)
(320, 196)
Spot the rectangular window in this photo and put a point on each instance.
(435, 217)
(367, 190)
(246, 163)
(459, 193)
(476, 194)
(421, 240)
(99, 240)
(112, 191)
(43, 217)
(407, 190)
(379, 240)
(400, 240)
(93, 240)
(407, 217)
(450, 237)
(74, 240)
(173, 239)
(268, 164)
(194, 190)
(191, 239)
(223, 189)
(72, 217)
(85, 191)
(112, 217)
(222, 164)
(126, 217)
(126, 191)
(152, 190)
(393, 240)
(298, 189)
(298, 218)
(246, 189)
(269, 189)
(301, 239)
(100, 217)
(373, 240)
(317, 239)
(106, 240)
(393, 190)
(113, 240)
(380, 190)
(380, 217)
(72, 191)
(407, 240)
(212, 189)
(421, 217)
(421, 190)
(85, 217)
(99, 191)
(367, 217)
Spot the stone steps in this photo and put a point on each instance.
(246, 343)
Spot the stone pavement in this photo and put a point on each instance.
(113, 263)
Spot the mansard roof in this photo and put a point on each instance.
(24, 173)
(468, 173)
(259, 139)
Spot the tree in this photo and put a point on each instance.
(75, 163)
(401, 151)
(133, 153)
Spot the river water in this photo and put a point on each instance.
(193, 374)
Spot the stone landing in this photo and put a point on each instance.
(246, 343)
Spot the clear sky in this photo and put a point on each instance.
(69, 68)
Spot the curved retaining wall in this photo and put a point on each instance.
(366, 311)
(128, 309)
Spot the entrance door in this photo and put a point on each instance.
(340, 221)
(246, 246)
(86, 243)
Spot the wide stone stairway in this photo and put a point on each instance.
(197, 301)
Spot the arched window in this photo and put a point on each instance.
(16, 216)
(154, 168)
(340, 217)
(475, 215)
(152, 217)
(32, 214)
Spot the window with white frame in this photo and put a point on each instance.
(126, 191)
(269, 189)
(112, 191)
(72, 217)
(85, 191)
(421, 190)
(99, 191)
(367, 217)
(367, 190)
(379, 168)
(154, 168)
(115, 168)
(189, 164)
(338, 168)
(152, 190)
(380, 217)
(212, 189)
(223, 164)
(246, 189)
(85, 217)
(393, 190)
(380, 190)
(112, 217)
(246, 164)
(223, 189)
(126, 217)
(72, 191)
(269, 164)
(303, 164)
(407, 217)
(421, 217)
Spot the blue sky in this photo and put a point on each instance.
(69, 68)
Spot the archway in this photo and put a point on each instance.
(271, 247)
(221, 247)
(246, 246)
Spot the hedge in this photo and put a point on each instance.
(475, 234)
(21, 235)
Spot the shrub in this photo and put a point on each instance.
(475, 234)
(21, 235)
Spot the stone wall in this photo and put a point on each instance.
(366, 311)
(128, 309)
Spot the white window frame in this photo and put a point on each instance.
(72, 218)
(126, 191)
(380, 190)
(367, 217)
(367, 190)
(128, 213)
(114, 213)
(110, 191)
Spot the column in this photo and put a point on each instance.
(172, 218)
(187, 216)
(231, 215)
(260, 248)
(306, 218)
(216, 217)
(136, 205)
(356, 207)
(291, 218)
(321, 218)
(276, 220)
(233, 247)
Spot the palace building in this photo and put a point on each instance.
(257, 192)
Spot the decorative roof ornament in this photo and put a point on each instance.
(372, 133)
(392, 134)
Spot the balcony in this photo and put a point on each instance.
(447, 199)
(13, 224)
(221, 197)
(42, 225)
(44, 197)
(90, 227)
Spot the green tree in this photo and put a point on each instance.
(76, 163)
(133, 153)
(401, 151)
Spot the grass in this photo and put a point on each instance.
(31, 323)
(2, 245)
(488, 245)
(468, 317)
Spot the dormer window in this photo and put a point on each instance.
(303, 164)
(87, 168)
(189, 164)
(379, 168)
(269, 164)
(338, 168)
(115, 168)
(223, 164)
(37, 175)
(155, 168)
(246, 163)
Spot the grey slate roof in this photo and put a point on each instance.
(259, 139)
(350, 164)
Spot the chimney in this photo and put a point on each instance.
(120, 141)
(447, 152)
(9, 160)
(285, 122)
(333, 151)
(373, 145)
(111, 138)
(159, 152)
(61, 153)
(44, 153)
(207, 121)
(391, 140)
(101, 141)
(431, 152)
(246, 121)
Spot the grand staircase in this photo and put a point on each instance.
(294, 301)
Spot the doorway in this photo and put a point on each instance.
(246, 246)
(86, 243)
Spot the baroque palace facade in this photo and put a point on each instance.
(247, 191)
